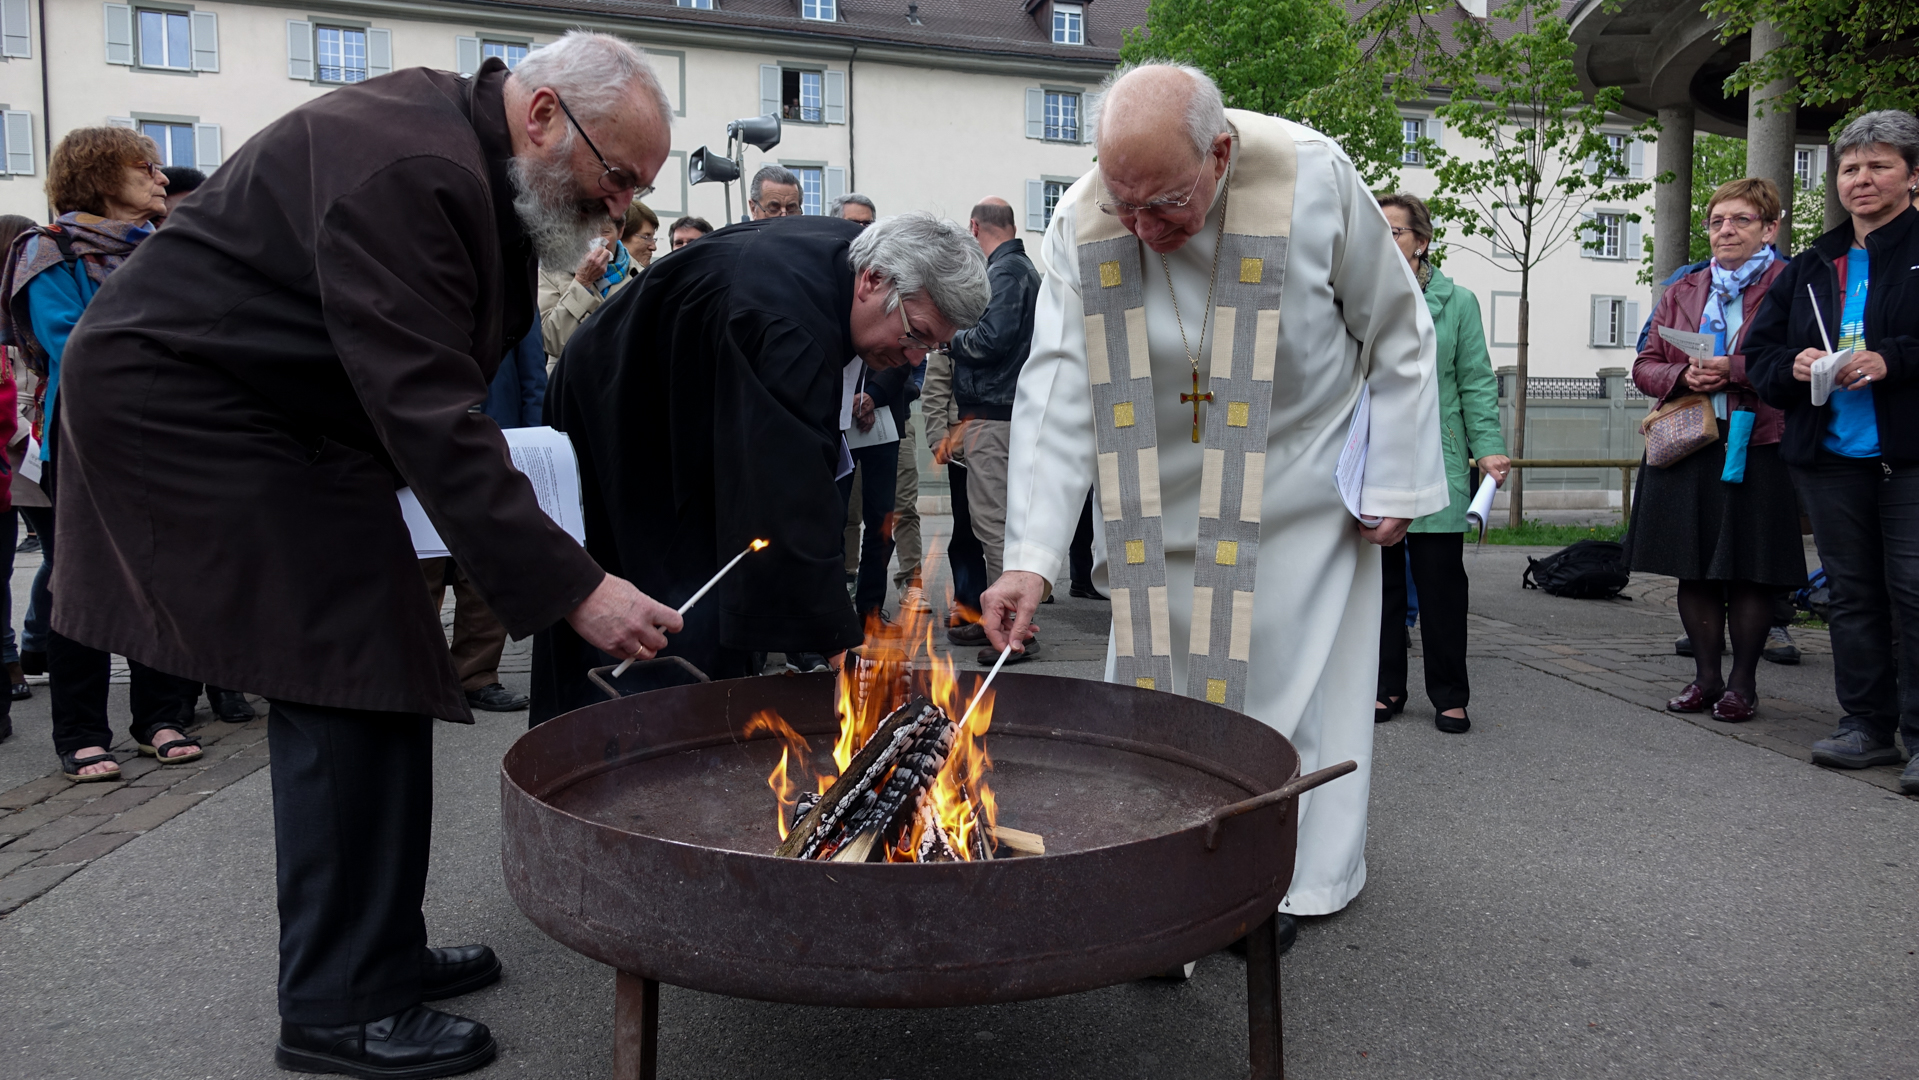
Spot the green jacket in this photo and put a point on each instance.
(1468, 396)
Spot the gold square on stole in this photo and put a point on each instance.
(1135, 551)
(1123, 414)
(1228, 553)
(1237, 413)
(1109, 274)
(1216, 691)
(1250, 271)
(1144, 682)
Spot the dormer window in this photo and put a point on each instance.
(1069, 24)
(821, 10)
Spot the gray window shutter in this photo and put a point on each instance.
(379, 53)
(205, 26)
(1036, 205)
(1629, 326)
(1435, 129)
(769, 89)
(16, 31)
(19, 132)
(1587, 235)
(835, 183)
(121, 121)
(1636, 160)
(1630, 245)
(836, 97)
(466, 55)
(1035, 113)
(206, 147)
(299, 50)
(119, 34)
(1602, 322)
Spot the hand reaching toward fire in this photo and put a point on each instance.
(1007, 607)
(620, 620)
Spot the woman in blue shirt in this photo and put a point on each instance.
(1855, 456)
(107, 187)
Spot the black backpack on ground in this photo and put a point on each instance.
(1588, 570)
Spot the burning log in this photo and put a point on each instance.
(879, 791)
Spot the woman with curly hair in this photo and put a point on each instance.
(106, 185)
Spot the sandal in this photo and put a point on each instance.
(159, 750)
(71, 766)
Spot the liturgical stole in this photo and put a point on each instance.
(1252, 270)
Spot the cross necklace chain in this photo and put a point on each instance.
(1219, 244)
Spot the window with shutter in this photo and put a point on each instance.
(119, 18)
(821, 10)
(176, 142)
(342, 53)
(299, 50)
(836, 97)
(16, 28)
(466, 55)
(1411, 130)
(18, 128)
(812, 188)
(379, 53)
(1069, 24)
(835, 183)
(1633, 247)
(1036, 205)
(205, 27)
(769, 90)
(512, 52)
(1602, 324)
(1035, 113)
(166, 39)
(1062, 116)
(206, 147)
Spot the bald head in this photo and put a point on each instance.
(992, 223)
(1164, 143)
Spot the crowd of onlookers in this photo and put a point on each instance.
(1723, 518)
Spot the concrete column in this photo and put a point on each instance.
(1770, 137)
(1835, 212)
(1672, 202)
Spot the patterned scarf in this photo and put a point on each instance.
(101, 245)
(1727, 287)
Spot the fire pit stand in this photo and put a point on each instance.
(636, 832)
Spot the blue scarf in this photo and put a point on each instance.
(1727, 287)
(616, 270)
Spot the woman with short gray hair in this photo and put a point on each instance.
(1850, 437)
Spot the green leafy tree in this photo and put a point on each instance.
(1863, 54)
(1539, 149)
(1290, 58)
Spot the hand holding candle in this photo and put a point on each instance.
(756, 545)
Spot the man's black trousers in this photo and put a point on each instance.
(964, 550)
(352, 824)
(1439, 573)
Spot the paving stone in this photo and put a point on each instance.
(156, 811)
(23, 885)
(34, 817)
(85, 849)
(11, 860)
(123, 798)
(32, 792)
(59, 832)
(81, 792)
(139, 766)
(159, 776)
(234, 768)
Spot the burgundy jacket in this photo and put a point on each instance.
(1657, 370)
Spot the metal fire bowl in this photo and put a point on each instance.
(640, 832)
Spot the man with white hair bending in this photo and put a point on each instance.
(316, 327)
(704, 400)
(1241, 253)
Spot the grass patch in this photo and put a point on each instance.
(1536, 532)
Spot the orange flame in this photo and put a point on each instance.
(785, 790)
(758, 545)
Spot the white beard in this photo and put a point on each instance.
(560, 220)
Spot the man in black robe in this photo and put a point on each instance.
(704, 402)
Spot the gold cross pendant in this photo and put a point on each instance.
(1196, 397)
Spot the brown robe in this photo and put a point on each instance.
(313, 329)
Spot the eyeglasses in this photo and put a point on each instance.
(149, 168)
(1122, 208)
(1401, 230)
(615, 179)
(911, 339)
(1741, 222)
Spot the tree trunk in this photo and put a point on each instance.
(1517, 491)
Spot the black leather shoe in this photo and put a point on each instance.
(230, 705)
(412, 1044)
(1453, 725)
(446, 973)
(972, 634)
(496, 698)
(1086, 592)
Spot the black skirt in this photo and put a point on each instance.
(1689, 524)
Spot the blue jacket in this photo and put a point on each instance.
(517, 397)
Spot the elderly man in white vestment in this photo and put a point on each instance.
(1241, 253)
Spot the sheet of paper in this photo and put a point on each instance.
(1697, 346)
(546, 458)
(1481, 509)
(1823, 371)
(1350, 474)
(30, 464)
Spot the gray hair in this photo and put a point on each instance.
(1899, 130)
(592, 73)
(925, 255)
(853, 198)
(1205, 111)
(773, 174)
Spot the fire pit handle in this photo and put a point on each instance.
(1299, 785)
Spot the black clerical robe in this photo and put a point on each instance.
(703, 400)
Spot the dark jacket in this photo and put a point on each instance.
(311, 331)
(1658, 368)
(517, 395)
(987, 358)
(893, 389)
(704, 400)
(1787, 326)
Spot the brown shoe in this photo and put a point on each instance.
(972, 634)
(1692, 699)
(1732, 708)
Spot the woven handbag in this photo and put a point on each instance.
(1678, 428)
